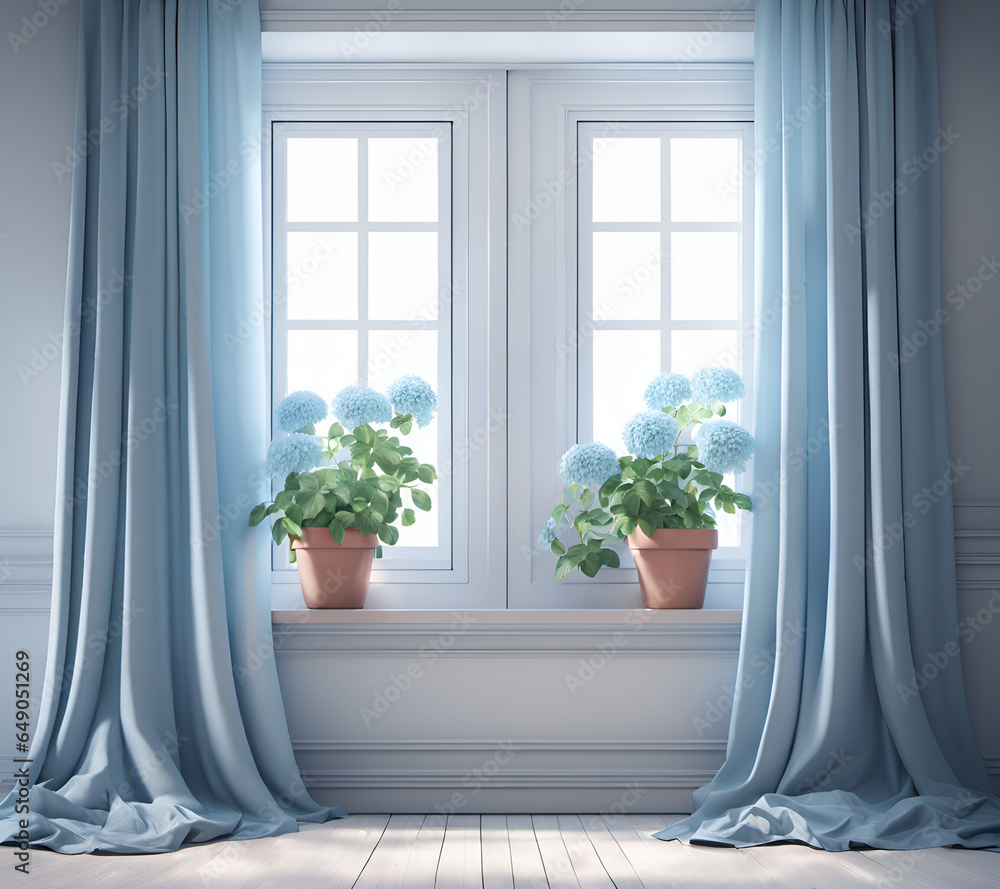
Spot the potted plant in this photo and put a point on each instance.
(659, 497)
(343, 492)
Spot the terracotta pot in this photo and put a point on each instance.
(673, 565)
(334, 575)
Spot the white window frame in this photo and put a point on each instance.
(473, 104)
(545, 110)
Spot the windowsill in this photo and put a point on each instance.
(496, 618)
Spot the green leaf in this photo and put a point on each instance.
(278, 532)
(293, 528)
(646, 490)
(421, 499)
(409, 517)
(591, 565)
(313, 507)
(557, 547)
(258, 514)
(610, 558)
(308, 429)
(336, 431)
(742, 501)
(284, 498)
(565, 564)
(365, 434)
(388, 534)
(426, 473)
(337, 531)
(294, 512)
(646, 527)
(308, 482)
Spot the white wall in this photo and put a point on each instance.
(37, 98)
(37, 85)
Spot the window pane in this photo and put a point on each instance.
(691, 350)
(322, 360)
(626, 180)
(627, 275)
(391, 354)
(704, 180)
(402, 275)
(323, 275)
(704, 276)
(728, 525)
(403, 180)
(618, 394)
(323, 180)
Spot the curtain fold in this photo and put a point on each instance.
(161, 720)
(850, 723)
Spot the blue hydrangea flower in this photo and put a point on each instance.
(724, 446)
(548, 534)
(649, 434)
(354, 406)
(591, 463)
(412, 395)
(712, 385)
(299, 409)
(293, 453)
(667, 390)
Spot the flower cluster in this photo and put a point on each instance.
(590, 463)
(293, 453)
(547, 535)
(724, 446)
(650, 433)
(299, 409)
(355, 406)
(412, 395)
(717, 385)
(667, 390)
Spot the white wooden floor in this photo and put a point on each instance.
(501, 852)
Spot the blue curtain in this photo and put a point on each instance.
(161, 720)
(850, 723)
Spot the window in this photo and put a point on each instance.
(537, 244)
(662, 271)
(363, 245)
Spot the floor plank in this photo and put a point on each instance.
(649, 866)
(558, 868)
(803, 866)
(590, 870)
(387, 864)
(938, 867)
(709, 866)
(612, 857)
(461, 862)
(497, 870)
(526, 860)
(508, 852)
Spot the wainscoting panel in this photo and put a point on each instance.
(513, 711)
(25, 589)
